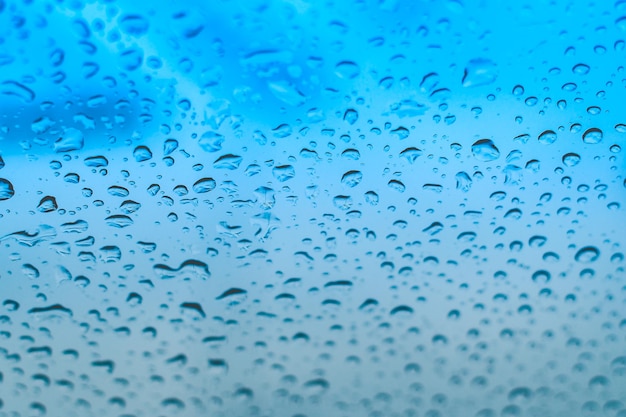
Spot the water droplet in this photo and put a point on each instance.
(587, 254)
(96, 161)
(352, 178)
(194, 307)
(411, 154)
(342, 202)
(117, 191)
(204, 185)
(51, 310)
(47, 204)
(347, 70)
(6, 189)
(592, 136)
(581, 69)
(485, 150)
(142, 153)
(396, 185)
(232, 292)
(228, 161)
(283, 172)
(287, 92)
(15, 89)
(541, 276)
(72, 140)
(547, 137)
(479, 72)
(571, 159)
(132, 24)
(190, 268)
(119, 221)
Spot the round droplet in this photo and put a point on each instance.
(283, 172)
(581, 69)
(47, 204)
(592, 136)
(547, 137)
(587, 254)
(531, 101)
(479, 71)
(485, 150)
(352, 178)
(594, 110)
(6, 189)
(142, 153)
(204, 185)
(571, 159)
(133, 24)
(347, 70)
(71, 140)
(541, 276)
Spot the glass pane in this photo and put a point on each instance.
(300, 208)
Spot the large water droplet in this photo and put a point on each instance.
(587, 254)
(479, 72)
(592, 136)
(547, 137)
(71, 140)
(6, 189)
(347, 70)
(485, 150)
(132, 24)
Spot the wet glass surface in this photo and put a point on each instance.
(300, 209)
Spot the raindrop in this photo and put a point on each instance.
(142, 153)
(204, 185)
(347, 70)
(592, 136)
(6, 189)
(352, 178)
(132, 24)
(228, 161)
(47, 204)
(547, 137)
(571, 159)
(581, 69)
(71, 140)
(485, 150)
(587, 254)
(479, 72)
